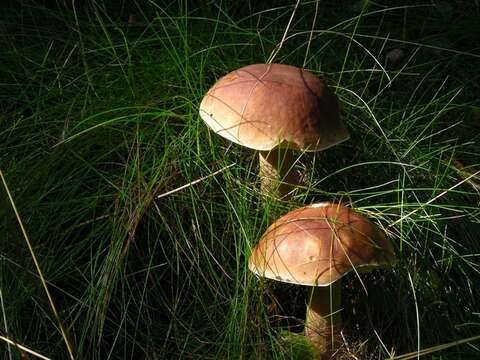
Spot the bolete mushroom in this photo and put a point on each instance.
(316, 246)
(274, 108)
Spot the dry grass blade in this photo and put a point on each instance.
(279, 46)
(195, 181)
(37, 266)
(434, 198)
(23, 348)
(433, 349)
(5, 324)
(461, 170)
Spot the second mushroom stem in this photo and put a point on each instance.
(323, 319)
(277, 173)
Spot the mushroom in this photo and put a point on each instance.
(274, 108)
(316, 246)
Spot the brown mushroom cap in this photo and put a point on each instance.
(262, 106)
(318, 244)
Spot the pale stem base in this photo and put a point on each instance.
(323, 319)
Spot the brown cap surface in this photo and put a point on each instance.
(262, 106)
(316, 245)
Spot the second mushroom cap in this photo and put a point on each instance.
(316, 245)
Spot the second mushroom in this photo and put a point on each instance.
(315, 246)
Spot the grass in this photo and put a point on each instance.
(99, 117)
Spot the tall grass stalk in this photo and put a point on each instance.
(39, 270)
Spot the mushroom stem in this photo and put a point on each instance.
(277, 174)
(323, 319)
